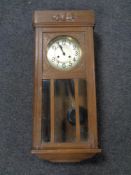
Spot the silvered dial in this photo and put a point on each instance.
(64, 53)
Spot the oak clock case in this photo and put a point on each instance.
(64, 110)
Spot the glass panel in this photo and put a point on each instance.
(46, 111)
(83, 109)
(65, 130)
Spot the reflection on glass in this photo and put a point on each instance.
(83, 109)
(65, 129)
(65, 111)
(46, 111)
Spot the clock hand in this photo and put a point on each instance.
(61, 48)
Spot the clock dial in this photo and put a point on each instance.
(64, 53)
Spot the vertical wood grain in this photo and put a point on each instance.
(77, 111)
(91, 89)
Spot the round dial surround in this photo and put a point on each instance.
(64, 53)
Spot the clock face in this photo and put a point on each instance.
(64, 53)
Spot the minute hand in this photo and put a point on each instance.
(61, 49)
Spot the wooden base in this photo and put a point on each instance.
(66, 155)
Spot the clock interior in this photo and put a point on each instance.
(70, 118)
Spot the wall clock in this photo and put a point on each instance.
(64, 105)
